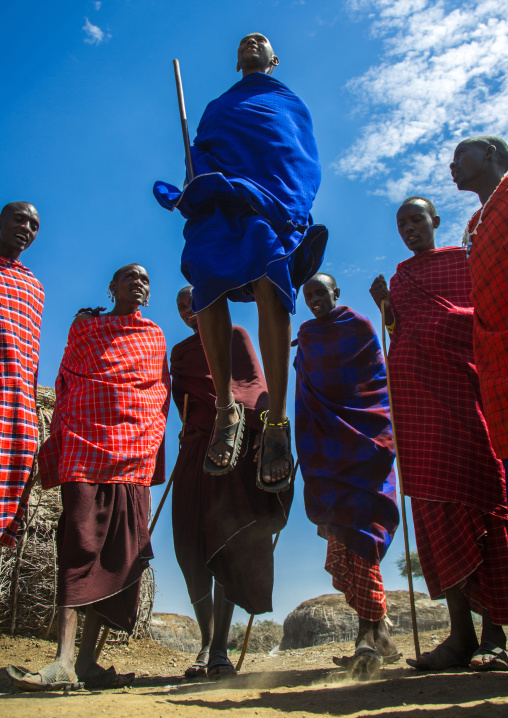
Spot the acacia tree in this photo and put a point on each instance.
(416, 569)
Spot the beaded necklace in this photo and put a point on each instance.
(467, 237)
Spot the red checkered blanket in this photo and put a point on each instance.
(21, 301)
(112, 401)
(444, 446)
(488, 264)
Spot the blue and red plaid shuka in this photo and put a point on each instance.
(343, 432)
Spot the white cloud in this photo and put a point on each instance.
(94, 35)
(443, 76)
(97, 5)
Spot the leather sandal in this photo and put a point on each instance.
(268, 452)
(225, 435)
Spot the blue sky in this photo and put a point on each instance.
(90, 121)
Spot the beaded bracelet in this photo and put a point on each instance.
(391, 327)
(263, 418)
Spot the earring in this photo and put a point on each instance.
(145, 303)
(111, 295)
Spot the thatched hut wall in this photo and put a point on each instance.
(28, 573)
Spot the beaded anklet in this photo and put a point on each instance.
(263, 416)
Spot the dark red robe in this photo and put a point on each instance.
(223, 525)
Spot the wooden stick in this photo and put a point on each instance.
(183, 120)
(251, 620)
(170, 482)
(105, 631)
(402, 496)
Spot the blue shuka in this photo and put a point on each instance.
(343, 432)
(248, 208)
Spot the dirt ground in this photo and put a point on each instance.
(299, 683)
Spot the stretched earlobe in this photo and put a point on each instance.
(274, 61)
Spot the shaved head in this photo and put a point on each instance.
(320, 276)
(423, 200)
(14, 206)
(486, 140)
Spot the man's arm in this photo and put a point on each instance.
(379, 292)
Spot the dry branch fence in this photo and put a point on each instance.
(28, 573)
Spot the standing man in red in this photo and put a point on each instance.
(456, 484)
(105, 450)
(21, 302)
(480, 165)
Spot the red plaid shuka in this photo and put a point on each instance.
(360, 581)
(444, 446)
(488, 264)
(21, 302)
(112, 401)
(462, 546)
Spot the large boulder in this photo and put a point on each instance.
(180, 633)
(328, 619)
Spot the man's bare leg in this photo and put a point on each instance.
(215, 331)
(275, 345)
(86, 653)
(491, 632)
(462, 632)
(223, 614)
(204, 616)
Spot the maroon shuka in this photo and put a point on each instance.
(223, 525)
(101, 524)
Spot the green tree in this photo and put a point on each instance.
(416, 568)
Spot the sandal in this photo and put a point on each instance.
(53, 678)
(219, 660)
(225, 435)
(497, 658)
(198, 668)
(268, 452)
(97, 677)
(441, 658)
(367, 664)
(346, 662)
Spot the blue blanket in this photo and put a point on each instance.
(248, 208)
(343, 432)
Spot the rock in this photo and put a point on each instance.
(328, 619)
(180, 633)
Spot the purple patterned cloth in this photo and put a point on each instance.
(343, 432)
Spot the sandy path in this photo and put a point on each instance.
(294, 683)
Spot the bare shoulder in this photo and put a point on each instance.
(81, 317)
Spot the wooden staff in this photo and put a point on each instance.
(170, 482)
(251, 619)
(105, 631)
(183, 120)
(402, 496)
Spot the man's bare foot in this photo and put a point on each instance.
(219, 452)
(383, 641)
(277, 469)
